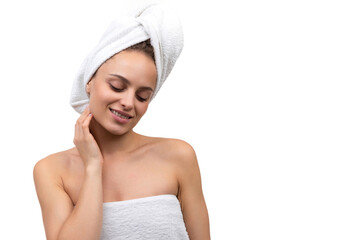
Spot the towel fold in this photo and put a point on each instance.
(156, 21)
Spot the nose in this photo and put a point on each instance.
(127, 100)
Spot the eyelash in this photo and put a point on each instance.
(119, 90)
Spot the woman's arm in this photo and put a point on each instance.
(191, 196)
(62, 221)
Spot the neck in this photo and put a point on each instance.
(113, 145)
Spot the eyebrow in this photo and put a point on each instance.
(128, 82)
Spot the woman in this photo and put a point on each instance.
(116, 183)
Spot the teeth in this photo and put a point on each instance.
(119, 115)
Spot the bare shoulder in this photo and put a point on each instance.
(177, 152)
(185, 156)
(53, 164)
(175, 148)
(49, 163)
(181, 155)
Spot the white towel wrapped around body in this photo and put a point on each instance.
(156, 21)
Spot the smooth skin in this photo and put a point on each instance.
(110, 162)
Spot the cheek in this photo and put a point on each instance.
(142, 108)
(100, 93)
(99, 99)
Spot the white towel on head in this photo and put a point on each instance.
(156, 21)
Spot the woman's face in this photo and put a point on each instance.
(124, 83)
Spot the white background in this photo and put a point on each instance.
(267, 93)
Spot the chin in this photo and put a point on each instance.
(118, 130)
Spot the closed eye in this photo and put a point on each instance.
(116, 89)
(119, 90)
(142, 99)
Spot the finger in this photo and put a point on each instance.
(79, 122)
(76, 134)
(86, 111)
(86, 123)
(78, 130)
(84, 114)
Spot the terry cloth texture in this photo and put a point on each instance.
(156, 217)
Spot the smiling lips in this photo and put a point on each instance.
(121, 114)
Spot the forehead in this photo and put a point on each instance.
(132, 65)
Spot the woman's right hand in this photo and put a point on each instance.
(85, 142)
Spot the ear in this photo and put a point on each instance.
(88, 87)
